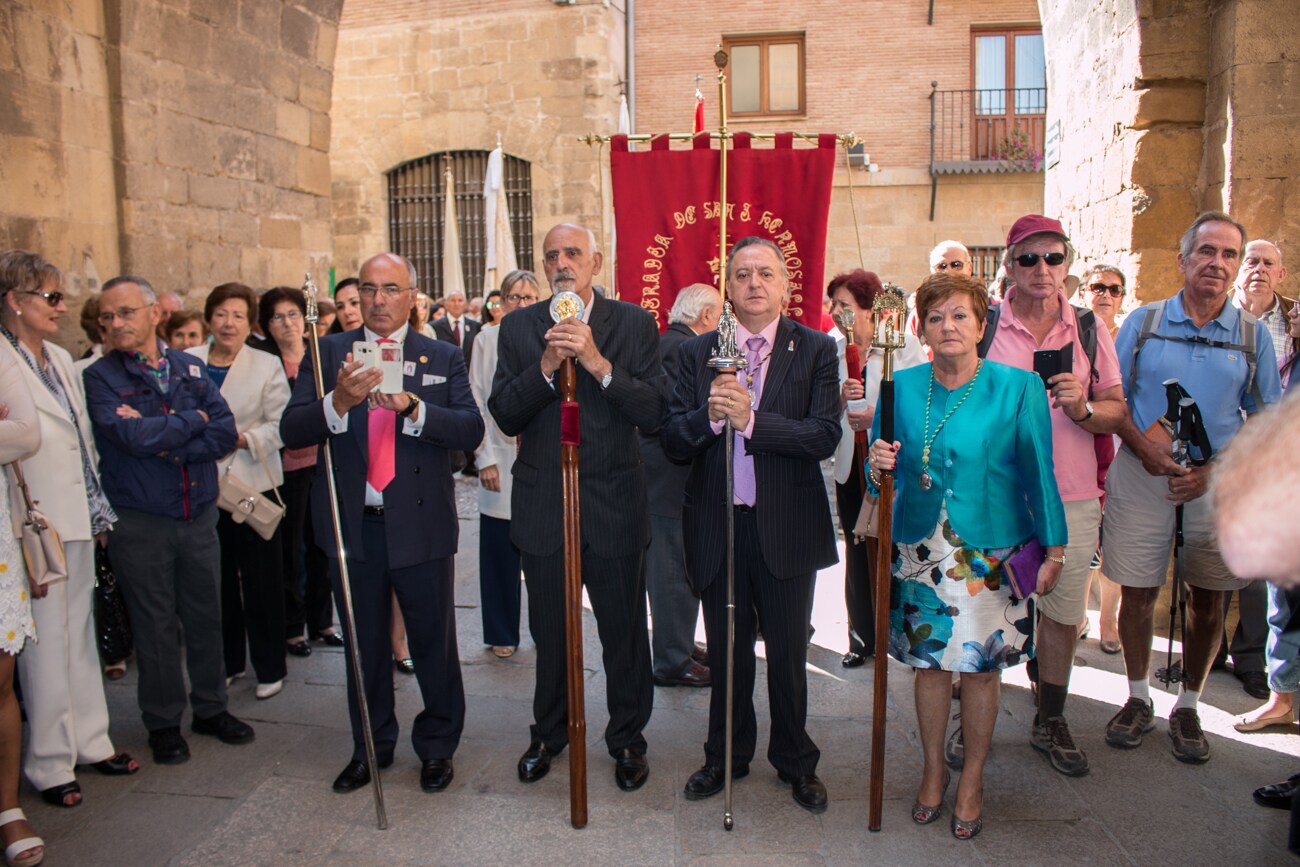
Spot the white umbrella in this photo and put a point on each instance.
(452, 279)
(501, 258)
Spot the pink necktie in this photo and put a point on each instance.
(746, 488)
(382, 430)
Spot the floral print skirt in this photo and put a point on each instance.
(950, 609)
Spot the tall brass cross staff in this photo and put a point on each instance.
(567, 305)
(309, 292)
(889, 311)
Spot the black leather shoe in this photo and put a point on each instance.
(1279, 795)
(709, 780)
(535, 762)
(435, 774)
(331, 639)
(169, 748)
(353, 777)
(224, 727)
(630, 770)
(297, 648)
(853, 659)
(690, 674)
(809, 792)
(1255, 683)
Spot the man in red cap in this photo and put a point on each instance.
(1087, 398)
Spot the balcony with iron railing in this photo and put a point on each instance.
(986, 131)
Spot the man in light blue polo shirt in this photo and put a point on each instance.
(1196, 338)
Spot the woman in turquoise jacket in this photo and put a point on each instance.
(974, 481)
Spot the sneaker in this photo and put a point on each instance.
(224, 727)
(1189, 743)
(954, 751)
(1051, 737)
(1126, 728)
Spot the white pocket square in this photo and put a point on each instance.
(433, 379)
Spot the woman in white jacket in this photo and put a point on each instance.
(64, 688)
(252, 568)
(498, 559)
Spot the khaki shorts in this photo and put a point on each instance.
(1068, 602)
(1139, 531)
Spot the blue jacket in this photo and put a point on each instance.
(991, 463)
(164, 463)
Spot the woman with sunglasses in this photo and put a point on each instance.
(1102, 291)
(498, 559)
(65, 690)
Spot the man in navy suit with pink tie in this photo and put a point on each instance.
(398, 512)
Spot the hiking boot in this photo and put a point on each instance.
(1189, 743)
(1051, 737)
(954, 751)
(1126, 728)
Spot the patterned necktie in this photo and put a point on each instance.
(745, 486)
(382, 430)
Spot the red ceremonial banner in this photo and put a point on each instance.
(666, 215)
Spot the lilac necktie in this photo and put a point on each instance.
(745, 488)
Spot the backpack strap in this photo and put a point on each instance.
(1248, 348)
(990, 329)
(1085, 322)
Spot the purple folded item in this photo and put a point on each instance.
(1021, 568)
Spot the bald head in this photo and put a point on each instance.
(1261, 274)
(950, 255)
(570, 259)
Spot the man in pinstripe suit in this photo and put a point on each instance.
(782, 515)
(616, 346)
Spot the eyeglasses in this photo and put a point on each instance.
(54, 298)
(390, 290)
(956, 266)
(283, 318)
(521, 299)
(1029, 260)
(1115, 290)
(106, 318)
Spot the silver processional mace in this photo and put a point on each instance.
(726, 358)
(309, 292)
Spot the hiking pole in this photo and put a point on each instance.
(309, 292)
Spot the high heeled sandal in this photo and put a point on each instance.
(964, 830)
(26, 844)
(57, 796)
(924, 814)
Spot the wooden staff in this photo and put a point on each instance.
(889, 309)
(309, 292)
(565, 305)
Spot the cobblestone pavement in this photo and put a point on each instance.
(269, 802)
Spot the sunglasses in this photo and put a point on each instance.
(1029, 260)
(53, 298)
(1115, 290)
(956, 266)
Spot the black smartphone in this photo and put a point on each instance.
(1050, 362)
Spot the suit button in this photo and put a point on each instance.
(419, 502)
(417, 470)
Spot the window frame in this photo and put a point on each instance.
(763, 40)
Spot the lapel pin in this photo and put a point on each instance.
(790, 348)
(424, 359)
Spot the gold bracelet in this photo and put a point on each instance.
(873, 477)
(1060, 559)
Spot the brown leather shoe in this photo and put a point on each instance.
(690, 674)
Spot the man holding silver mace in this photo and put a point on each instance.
(616, 349)
(395, 402)
(783, 405)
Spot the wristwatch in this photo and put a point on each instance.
(607, 379)
(1087, 404)
(411, 407)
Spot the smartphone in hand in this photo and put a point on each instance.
(1050, 362)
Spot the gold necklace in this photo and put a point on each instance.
(926, 480)
(749, 377)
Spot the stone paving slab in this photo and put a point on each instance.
(269, 802)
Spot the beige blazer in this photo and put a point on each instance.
(257, 392)
(20, 433)
(54, 474)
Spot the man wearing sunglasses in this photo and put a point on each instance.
(1087, 399)
(950, 256)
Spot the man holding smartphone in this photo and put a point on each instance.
(1037, 329)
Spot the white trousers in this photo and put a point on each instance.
(63, 688)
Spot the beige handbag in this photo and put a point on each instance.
(42, 547)
(247, 506)
(867, 527)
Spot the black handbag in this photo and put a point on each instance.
(112, 625)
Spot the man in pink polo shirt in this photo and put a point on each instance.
(1036, 315)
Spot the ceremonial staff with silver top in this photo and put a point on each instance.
(889, 310)
(310, 291)
(387, 405)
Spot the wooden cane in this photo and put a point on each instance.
(889, 309)
(309, 292)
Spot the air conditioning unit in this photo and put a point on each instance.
(858, 155)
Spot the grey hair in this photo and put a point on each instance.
(1276, 248)
(450, 292)
(944, 245)
(692, 301)
(413, 277)
(1189, 237)
(755, 240)
(515, 276)
(149, 294)
(1103, 268)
